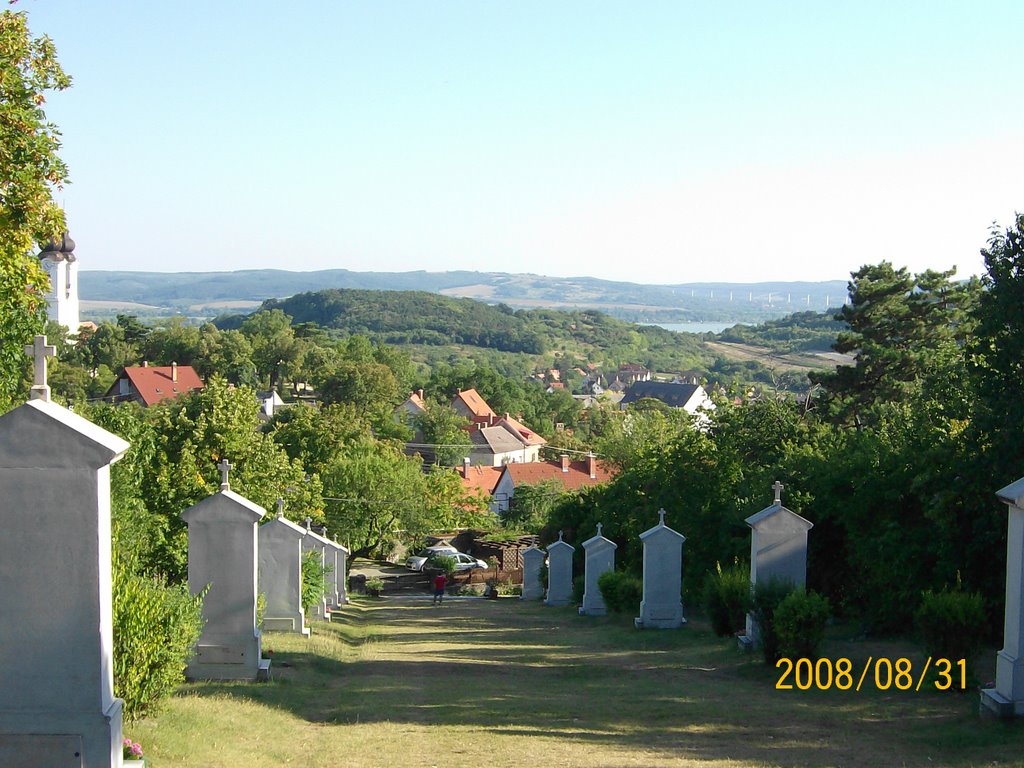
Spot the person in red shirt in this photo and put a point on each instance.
(440, 582)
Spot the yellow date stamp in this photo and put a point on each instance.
(884, 673)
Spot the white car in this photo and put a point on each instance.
(417, 561)
(463, 562)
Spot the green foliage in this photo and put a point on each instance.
(579, 587)
(767, 596)
(799, 622)
(374, 585)
(799, 332)
(156, 626)
(952, 624)
(29, 169)
(726, 598)
(621, 592)
(444, 563)
(314, 579)
(530, 507)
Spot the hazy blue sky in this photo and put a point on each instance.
(643, 141)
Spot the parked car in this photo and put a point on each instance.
(463, 562)
(417, 561)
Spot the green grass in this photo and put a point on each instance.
(501, 683)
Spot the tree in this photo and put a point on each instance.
(444, 428)
(29, 169)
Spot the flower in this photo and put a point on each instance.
(131, 750)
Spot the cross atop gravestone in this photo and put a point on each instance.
(280, 509)
(599, 529)
(661, 517)
(777, 487)
(309, 523)
(225, 468)
(560, 536)
(39, 351)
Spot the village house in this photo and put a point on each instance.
(690, 397)
(468, 404)
(152, 384)
(477, 480)
(571, 475)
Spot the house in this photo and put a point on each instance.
(480, 480)
(630, 374)
(469, 404)
(270, 403)
(571, 475)
(406, 413)
(152, 384)
(690, 397)
(496, 446)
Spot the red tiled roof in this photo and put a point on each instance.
(476, 404)
(480, 478)
(535, 472)
(522, 432)
(153, 383)
(416, 400)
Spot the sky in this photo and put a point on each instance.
(651, 142)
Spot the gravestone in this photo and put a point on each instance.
(559, 573)
(1007, 698)
(335, 556)
(314, 542)
(533, 561)
(662, 606)
(57, 705)
(222, 555)
(599, 558)
(778, 549)
(280, 574)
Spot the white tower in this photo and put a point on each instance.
(61, 264)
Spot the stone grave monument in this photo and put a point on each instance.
(533, 560)
(314, 542)
(662, 606)
(778, 550)
(57, 705)
(222, 556)
(1007, 698)
(280, 574)
(599, 558)
(336, 557)
(559, 573)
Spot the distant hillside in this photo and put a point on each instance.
(209, 293)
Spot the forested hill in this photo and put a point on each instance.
(421, 318)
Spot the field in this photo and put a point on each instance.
(397, 682)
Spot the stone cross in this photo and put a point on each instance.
(559, 535)
(309, 522)
(661, 517)
(280, 508)
(39, 351)
(599, 529)
(777, 487)
(225, 467)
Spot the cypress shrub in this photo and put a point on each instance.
(314, 582)
(726, 598)
(766, 598)
(952, 624)
(622, 593)
(800, 621)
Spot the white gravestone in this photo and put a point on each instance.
(599, 558)
(336, 556)
(778, 547)
(57, 705)
(222, 556)
(280, 574)
(662, 606)
(1007, 698)
(533, 560)
(314, 542)
(559, 573)
(342, 571)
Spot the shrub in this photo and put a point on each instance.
(508, 588)
(445, 563)
(621, 592)
(952, 624)
(800, 624)
(766, 598)
(374, 586)
(314, 582)
(156, 627)
(727, 598)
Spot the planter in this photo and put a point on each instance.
(134, 763)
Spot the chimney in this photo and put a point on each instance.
(465, 467)
(592, 466)
(174, 371)
(145, 363)
(420, 393)
(565, 462)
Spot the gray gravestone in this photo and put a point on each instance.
(222, 555)
(533, 560)
(662, 606)
(559, 573)
(599, 558)
(778, 548)
(314, 542)
(1007, 698)
(57, 705)
(280, 574)
(335, 556)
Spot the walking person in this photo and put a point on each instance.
(440, 582)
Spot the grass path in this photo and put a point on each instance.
(488, 684)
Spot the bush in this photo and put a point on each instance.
(445, 563)
(621, 592)
(726, 598)
(156, 627)
(508, 588)
(800, 624)
(767, 596)
(952, 624)
(314, 582)
(374, 586)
